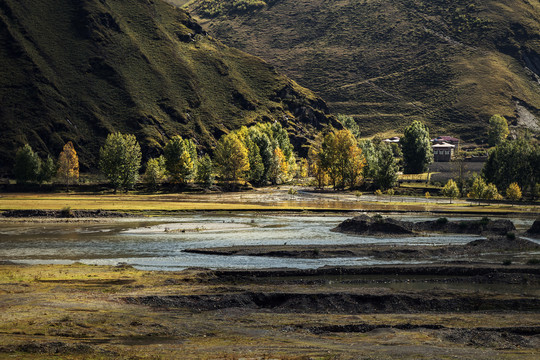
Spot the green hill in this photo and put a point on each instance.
(77, 70)
(452, 63)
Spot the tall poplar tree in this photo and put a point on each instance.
(68, 165)
(120, 160)
(231, 157)
(180, 159)
(416, 146)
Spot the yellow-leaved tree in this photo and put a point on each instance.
(232, 158)
(342, 158)
(513, 192)
(68, 165)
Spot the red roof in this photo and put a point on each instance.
(446, 138)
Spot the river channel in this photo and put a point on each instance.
(157, 243)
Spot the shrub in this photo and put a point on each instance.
(533, 262)
(292, 191)
(511, 235)
(66, 212)
(507, 262)
(442, 221)
(378, 192)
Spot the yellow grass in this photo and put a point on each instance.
(237, 202)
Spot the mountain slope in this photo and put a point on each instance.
(453, 63)
(77, 70)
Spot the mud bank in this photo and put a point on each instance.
(380, 226)
(340, 303)
(471, 249)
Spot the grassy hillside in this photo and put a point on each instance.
(453, 63)
(77, 70)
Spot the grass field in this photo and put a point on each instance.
(268, 200)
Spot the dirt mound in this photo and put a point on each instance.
(535, 228)
(365, 225)
(341, 303)
(502, 243)
(482, 226)
(377, 225)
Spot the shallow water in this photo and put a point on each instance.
(122, 241)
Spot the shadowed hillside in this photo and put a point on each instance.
(453, 63)
(77, 70)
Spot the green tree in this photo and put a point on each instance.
(120, 160)
(513, 192)
(265, 154)
(205, 171)
(451, 190)
(27, 165)
(231, 157)
(155, 172)
(256, 166)
(385, 174)
(47, 171)
(491, 192)
(180, 155)
(315, 158)
(68, 165)
(513, 161)
(416, 147)
(349, 123)
(498, 130)
(478, 189)
(371, 154)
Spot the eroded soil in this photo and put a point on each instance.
(425, 311)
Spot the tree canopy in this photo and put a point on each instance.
(120, 160)
(68, 164)
(27, 165)
(341, 158)
(498, 130)
(180, 159)
(513, 161)
(231, 157)
(385, 172)
(416, 146)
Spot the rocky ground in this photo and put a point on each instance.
(473, 311)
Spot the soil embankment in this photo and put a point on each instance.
(340, 302)
(473, 249)
(384, 226)
(66, 213)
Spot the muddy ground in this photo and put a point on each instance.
(466, 311)
(493, 248)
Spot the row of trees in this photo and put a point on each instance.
(260, 154)
(481, 190)
(30, 168)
